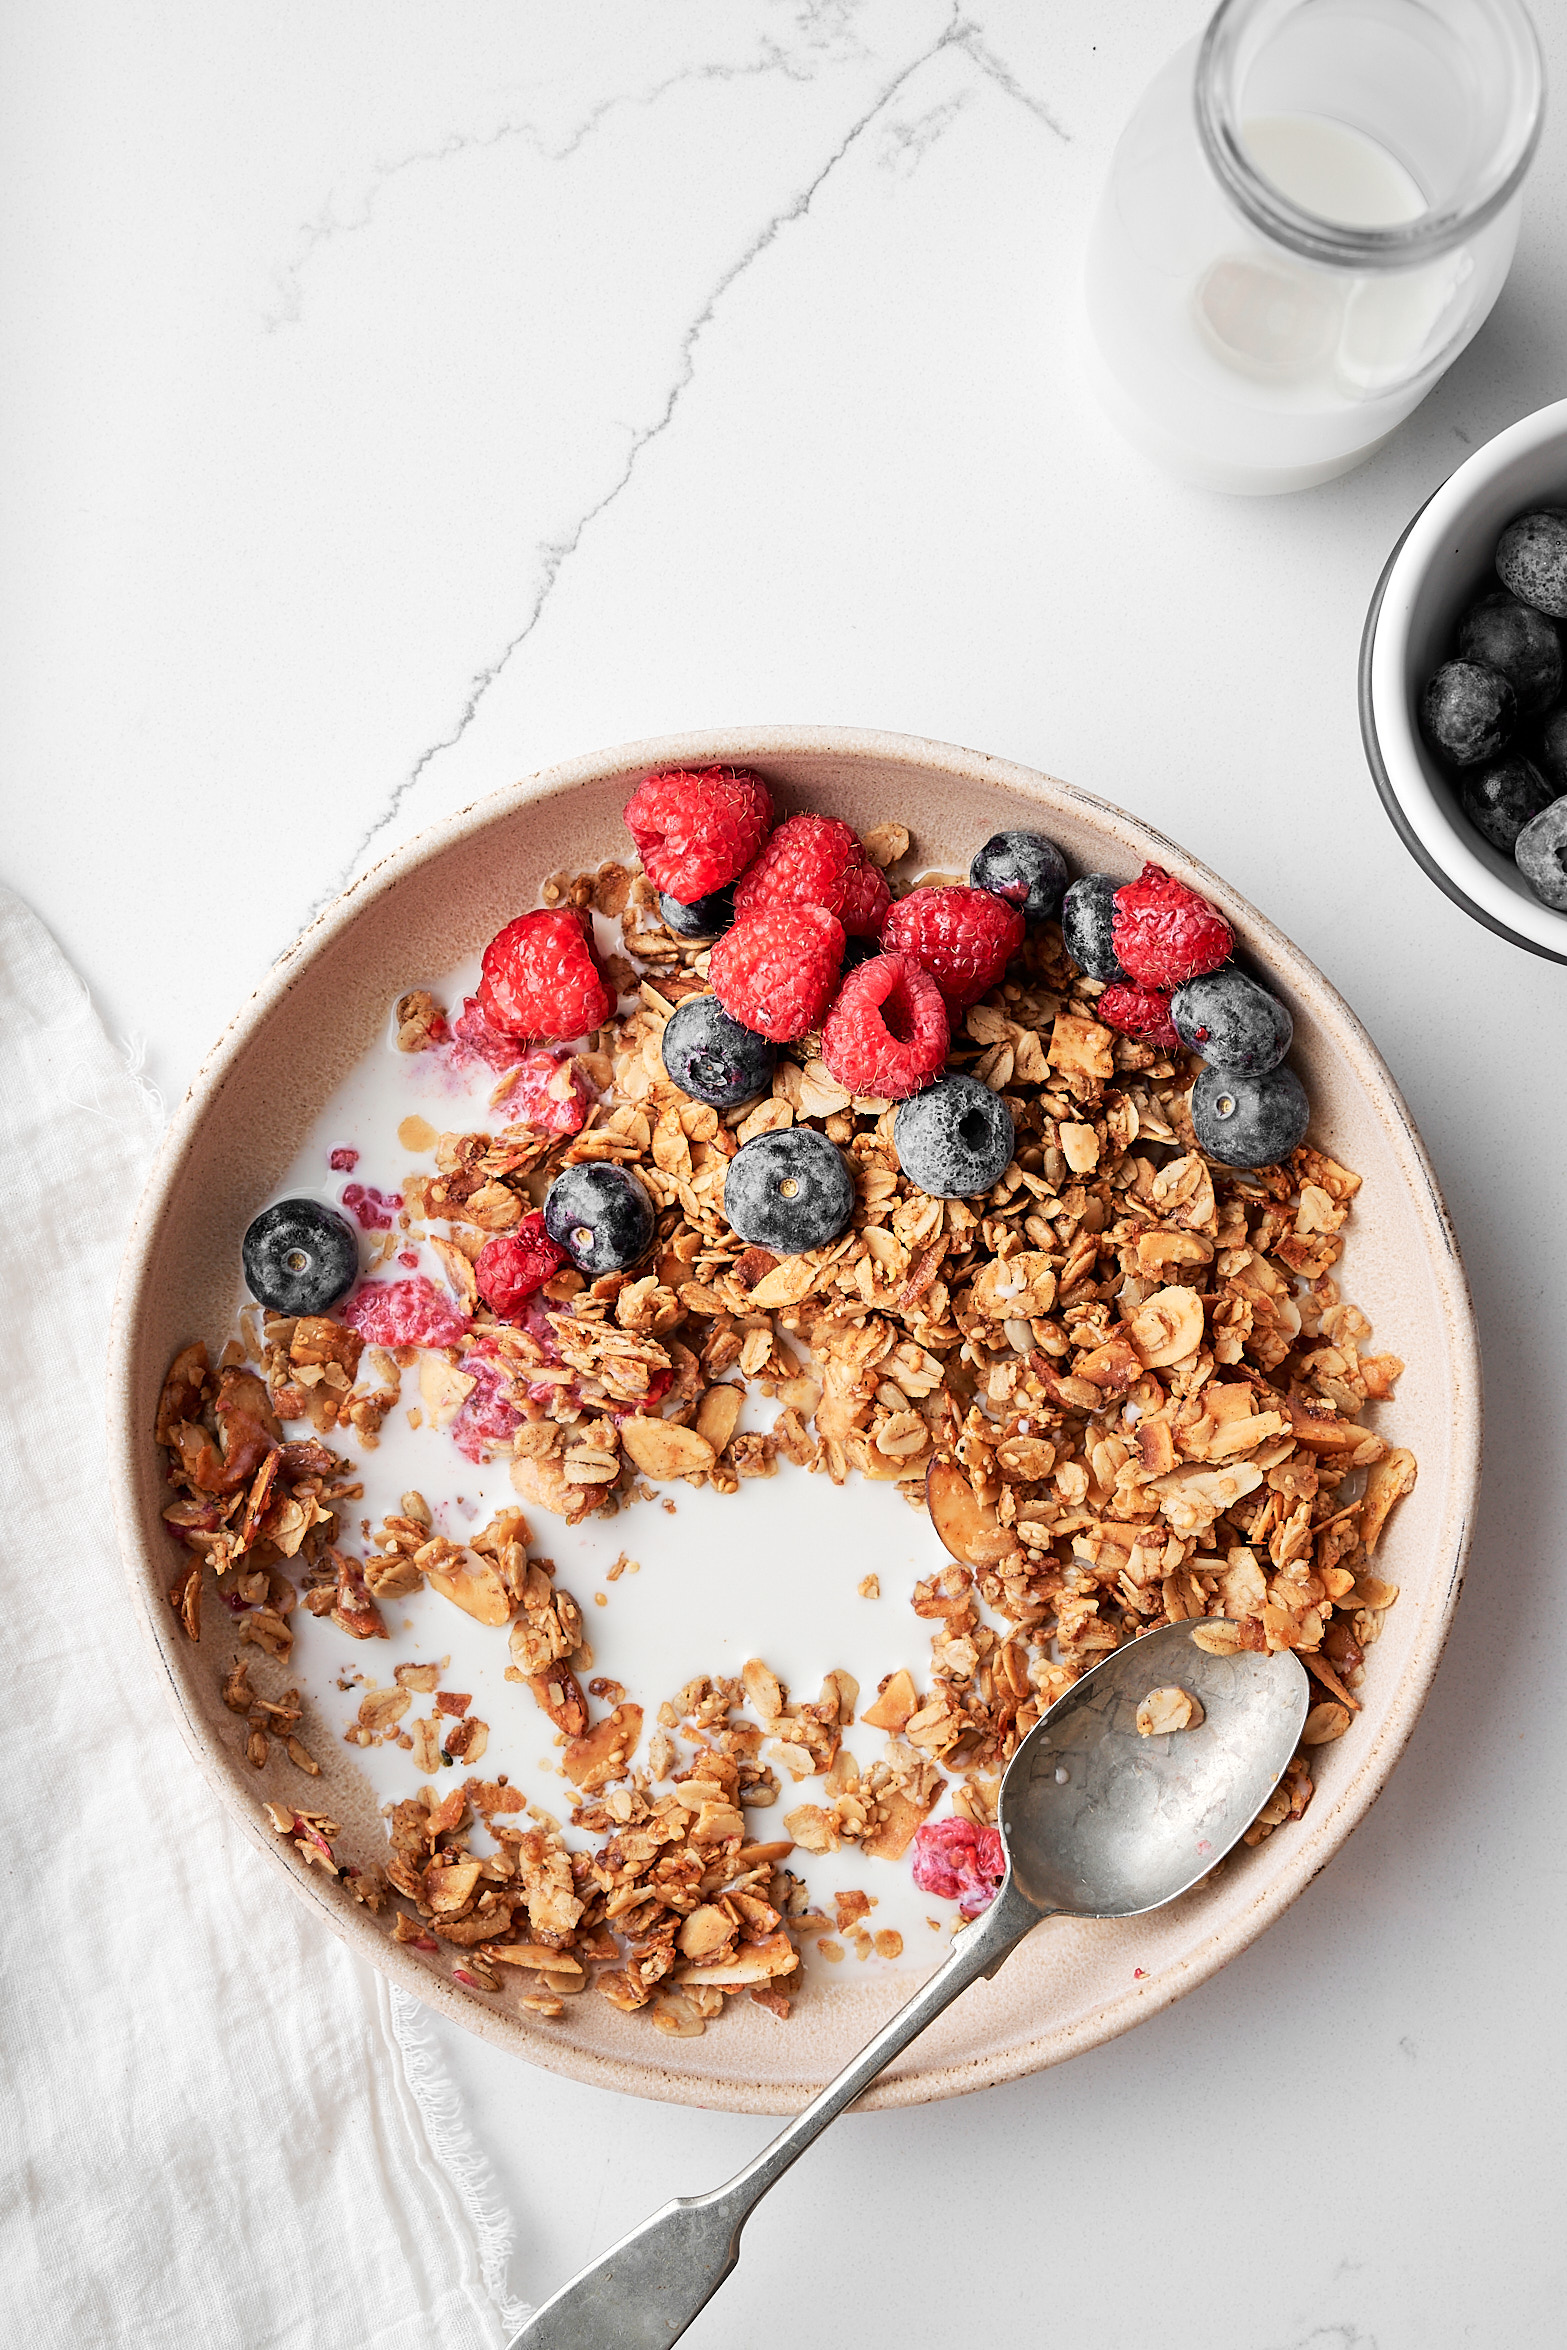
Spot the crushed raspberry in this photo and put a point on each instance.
(1164, 933)
(549, 1090)
(887, 1033)
(816, 861)
(488, 1415)
(776, 972)
(513, 1265)
(697, 828)
(960, 1862)
(541, 977)
(343, 1161)
(473, 1039)
(410, 1258)
(963, 937)
(404, 1313)
(373, 1210)
(1138, 1011)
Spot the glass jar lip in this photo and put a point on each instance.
(1337, 243)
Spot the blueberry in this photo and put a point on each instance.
(1087, 911)
(857, 951)
(601, 1215)
(1467, 712)
(1249, 1121)
(955, 1139)
(1520, 644)
(1025, 868)
(1550, 750)
(299, 1255)
(1531, 556)
(707, 917)
(1500, 799)
(1231, 1021)
(1541, 854)
(789, 1190)
(712, 1058)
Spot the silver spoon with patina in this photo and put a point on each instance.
(1107, 1810)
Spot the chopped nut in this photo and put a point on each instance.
(1165, 1710)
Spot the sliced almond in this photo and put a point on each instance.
(661, 1449)
(1168, 1327)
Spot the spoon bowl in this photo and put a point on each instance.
(1101, 1821)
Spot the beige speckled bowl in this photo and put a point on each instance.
(1071, 1985)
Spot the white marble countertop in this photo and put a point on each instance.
(401, 397)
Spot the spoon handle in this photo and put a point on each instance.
(643, 2293)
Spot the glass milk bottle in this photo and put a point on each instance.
(1308, 216)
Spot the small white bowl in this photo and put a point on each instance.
(1438, 568)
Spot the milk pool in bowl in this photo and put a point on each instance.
(691, 1582)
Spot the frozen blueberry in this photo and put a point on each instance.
(1541, 853)
(714, 1059)
(1467, 712)
(1231, 1021)
(1520, 644)
(1249, 1121)
(1087, 911)
(955, 1139)
(1550, 750)
(789, 1190)
(299, 1255)
(601, 1215)
(1500, 799)
(707, 917)
(1531, 558)
(1025, 868)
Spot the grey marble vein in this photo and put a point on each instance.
(960, 33)
(1332, 2337)
(996, 69)
(289, 311)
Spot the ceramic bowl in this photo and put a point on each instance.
(1072, 1985)
(1439, 566)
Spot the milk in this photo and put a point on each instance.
(771, 1571)
(1333, 171)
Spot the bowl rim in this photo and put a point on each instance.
(1386, 727)
(1329, 1821)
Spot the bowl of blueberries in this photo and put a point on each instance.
(1463, 685)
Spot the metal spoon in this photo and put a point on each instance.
(1098, 1821)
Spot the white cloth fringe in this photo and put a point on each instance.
(458, 2152)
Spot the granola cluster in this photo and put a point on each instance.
(1124, 1382)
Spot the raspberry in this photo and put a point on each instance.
(816, 861)
(541, 978)
(548, 1091)
(372, 1210)
(959, 1862)
(515, 1264)
(488, 1415)
(343, 1161)
(404, 1313)
(776, 971)
(697, 828)
(888, 1031)
(473, 1039)
(1165, 933)
(963, 937)
(1138, 1011)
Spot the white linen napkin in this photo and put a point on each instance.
(217, 2126)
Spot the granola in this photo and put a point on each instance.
(1123, 1381)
